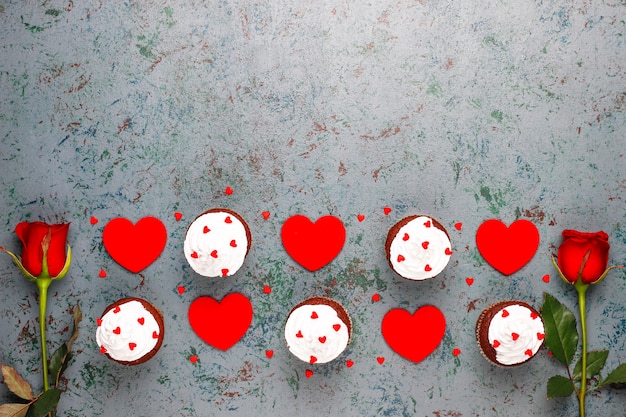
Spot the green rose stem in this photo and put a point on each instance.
(581, 289)
(43, 283)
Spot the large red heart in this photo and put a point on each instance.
(313, 245)
(414, 336)
(134, 246)
(507, 249)
(221, 323)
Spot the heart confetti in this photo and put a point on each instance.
(380, 360)
(360, 217)
(178, 215)
(507, 249)
(414, 336)
(228, 191)
(93, 220)
(546, 278)
(269, 353)
(223, 323)
(267, 289)
(266, 215)
(313, 245)
(456, 352)
(102, 273)
(180, 289)
(469, 281)
(387, 210)
(376, 297)
(134, 246)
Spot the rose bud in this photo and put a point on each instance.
(583, 256)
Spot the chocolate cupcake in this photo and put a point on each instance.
(217, 243)
(509, 333)
(130, 331)
(318, 330)
(418, 247)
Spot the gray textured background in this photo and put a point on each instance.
(461, 110)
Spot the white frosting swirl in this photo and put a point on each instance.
(516, 333)
(420, 250)
(128, 333)
(216, 244)
(316, 340)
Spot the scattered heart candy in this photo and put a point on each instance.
(380, 360)
(387, 210)
(360, 217)
(269, 353)
(456, 352)
(180, 289)
(178, 215)
(458, 226)
(376, 297)
(546, 278)
(93, 220)
(228, 191)
(469, 281)
(267, 289)
(193, 358)
(102, 273)
(266, 215)
(308, 373)
(349, 363)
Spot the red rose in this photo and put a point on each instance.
(39, 237)
(583, 255)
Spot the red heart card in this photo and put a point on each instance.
(134, 246)
(313, 245)
(507, 249)
(221, 323)
(414, 336)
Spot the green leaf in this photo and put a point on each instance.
(561, 331)
(560, 386)
(617, 376)
(16, 384)
(13, 410)
(45, 403)
(57, 362)
(595, 363)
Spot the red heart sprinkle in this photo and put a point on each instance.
(180, 289)
(116, 310)
(349, 363)
(405, 237)
(228, 220)
(546, 278)
(314, 315)
(193, 358)
(458, 226)
(336, 327)
(541, 336)
(505, 313)
(360, 217)
(448, 251)
(103, 350)
(228, 191)
(102, 273)
(132, 346)
(93, 220)
(267, 289)
(427, 268)
(533, 315)
(225, 272)
(322, 339)
(376, 298)
(387, 210)
(266, 215)
(299, 334)
(469, 281)
(312, 360)
(308, 373)
(178, 215)
(400, 258)
(528, 352)
(496, 344)
(206, 230)
(155, 335)
(214, 253)
(99, 321)
(269, 353)
(425, 245)
(456, 351)
(427, 224)
(117, 330)
(515, 336)
(194, 255)
(141, 320)
(380, 360)
(233, 243)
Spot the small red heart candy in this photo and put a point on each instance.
(314, 315)
(401, 258)
(228, 220)
(180, 289)
(541, 336)
(206, 230)
(228, 191)
(116, 310)
(514, 336)
(336, 327)
(299, 334)
(312, 360)
(132, 346)
(387, 210)
(193, 358)
(448, 251)
(103, 350)
(155, 335)
(376, 297)
(93, 220)
(380, 360)
(267, 289)
(406, 237)
(360, 217)
(178, 215)
(458, 226)
(141, 320)
(456, 351)
(322, 339)
(496, 344)
(505, 313)
(225, 272)
(349, 363)
(546, 278)
(99, 321)
(214, 253)
(427, 223)
(102, 273)
(529, 352)
(469, 281)
(427, 268)
(233, 243)
(269, 353)
(266, 215)
(308, 373)
(194, 255)
(425, 245)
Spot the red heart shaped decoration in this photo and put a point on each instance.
(414, 336)
(134, 246)
(313, 245)
(507, 249)
(221, 323)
